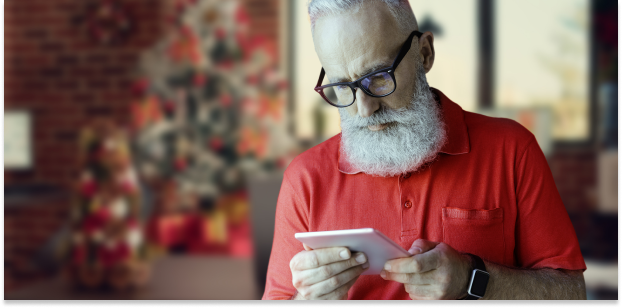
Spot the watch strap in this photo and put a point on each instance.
(477, 264)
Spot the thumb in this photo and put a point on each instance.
(307, 248)
(421, 246)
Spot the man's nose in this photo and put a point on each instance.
(366, 104)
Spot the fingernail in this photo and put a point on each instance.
(360, 259)
(387, 267)
(415, 250)
(383, 274)
(345, 254)
(366, 265)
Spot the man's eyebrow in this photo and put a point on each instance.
(365, 72)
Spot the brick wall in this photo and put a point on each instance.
(66, 80)
(575, 174)
(264, 17)
(57, 72)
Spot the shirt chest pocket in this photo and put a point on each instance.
(479, 232)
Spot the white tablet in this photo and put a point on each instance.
(377, 247)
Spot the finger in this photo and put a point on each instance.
(333, 283)
(341, 292)
(313, 276)
(305, 260)
(307, 248)
(415, 279)
(419, 263)
(421, 246)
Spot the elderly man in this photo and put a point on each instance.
(458, 190)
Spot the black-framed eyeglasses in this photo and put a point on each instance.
(379, 83)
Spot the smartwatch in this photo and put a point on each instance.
(478, 280)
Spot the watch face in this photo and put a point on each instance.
(479, 281)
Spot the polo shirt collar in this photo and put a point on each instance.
(457, 133)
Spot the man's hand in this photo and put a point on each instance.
(326, 273)
(436, 271)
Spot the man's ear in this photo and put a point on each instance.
(426, 41)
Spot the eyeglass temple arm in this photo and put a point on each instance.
(319, 81)
(405, 48)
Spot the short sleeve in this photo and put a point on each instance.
(291, 218)
(545, 236)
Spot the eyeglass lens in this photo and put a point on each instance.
(377, 84)
(339, 95)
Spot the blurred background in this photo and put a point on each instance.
(145, 141)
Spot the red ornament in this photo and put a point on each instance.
(283, 85)
(111, 255)
(139, 87)
(123, 251)
(216, 144)
(96, 220)
(169, 106)
(195, 56)
(180, 164)
(225, 100)
(187, 31)
(185, 47)
(88, 188)
(225, 65)
(241, 17)
(181, 5)
(79, 255)
(220, 33)
(132, 223)
(106, 256)
(252, 79)
(247, 105)
(107, 22)
(128, 187)
(243, 42)
(199, 80)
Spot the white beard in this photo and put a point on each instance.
(414, 140)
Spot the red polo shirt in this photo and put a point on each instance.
(489, 193)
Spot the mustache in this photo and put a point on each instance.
(381, 116)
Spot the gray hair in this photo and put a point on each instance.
(400, 9)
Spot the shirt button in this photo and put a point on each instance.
(407, 175)
(408, 204)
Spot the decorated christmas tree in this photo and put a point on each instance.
(209, 111)
(106, 245)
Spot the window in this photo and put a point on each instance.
(455, 41)
(542, 61)
(307, 67)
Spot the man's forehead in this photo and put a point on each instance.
(348, 46)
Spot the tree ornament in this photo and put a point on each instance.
(105, 22)
(199, 80)
(119, 209)
(216, 144)
(225, 100)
